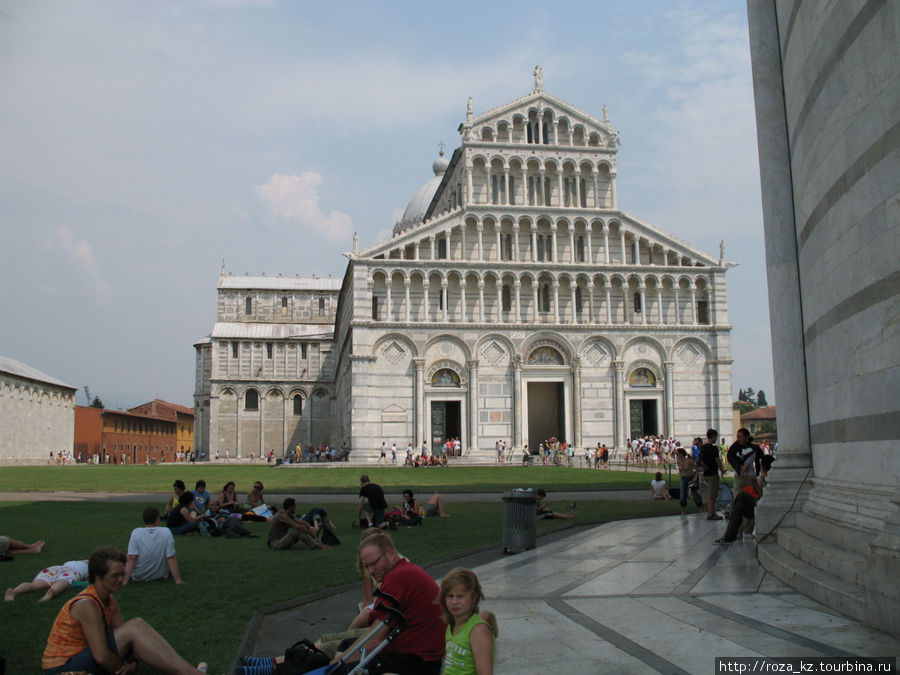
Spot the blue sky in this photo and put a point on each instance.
(140, 141)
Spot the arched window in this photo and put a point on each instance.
(642, 377)
(284, 305)
(507, 302)
(442, 248)
(251, 400)
(578, 302)
(298, 405)
(579, 249)
(445, 377)
(545, 356)
(507, 247)
(248, 306)
(544, 298)
(637, 302)
(321, 306)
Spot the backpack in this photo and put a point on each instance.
(301, 657)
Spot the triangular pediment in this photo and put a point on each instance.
(541, 101)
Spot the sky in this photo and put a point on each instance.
(142, 144)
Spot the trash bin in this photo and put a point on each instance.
(519, 520)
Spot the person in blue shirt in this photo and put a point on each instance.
(201, 496)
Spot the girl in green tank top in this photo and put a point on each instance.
(469, 636)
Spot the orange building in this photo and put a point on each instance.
(150, 433)
(182, 417)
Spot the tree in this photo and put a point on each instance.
(97, 403)
(761, 399)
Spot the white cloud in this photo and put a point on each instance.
(80, 252)
(296, 198)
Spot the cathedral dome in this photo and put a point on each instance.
(418, 205)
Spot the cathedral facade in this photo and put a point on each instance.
(514, 301)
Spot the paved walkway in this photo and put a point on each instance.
(640, 596)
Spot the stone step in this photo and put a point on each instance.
(823, 554)
(831, 529)
(831, 591)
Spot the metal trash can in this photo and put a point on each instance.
(519, 520)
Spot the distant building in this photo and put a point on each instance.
(36, 414)
(150, 433)
(514, 301)
(181, 415)
(761, 422)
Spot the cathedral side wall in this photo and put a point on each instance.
(36, 418)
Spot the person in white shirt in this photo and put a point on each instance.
(658, 489)
(151, 551)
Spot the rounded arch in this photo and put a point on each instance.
(643, 373)
(652, 342)
(489, 338)
(693, 341)
(462, 344)
(604, 342)
(549, 338)
(389, 338)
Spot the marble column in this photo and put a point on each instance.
(518, 437)
(787, 484)
(481, 300)
(605, 244)
(612, 189)
(420, 401)
(480, 228)
(515, 242)
(670, 397)
(426, 304)
(518, 287)
(533, 242)
(472, 443)
(555, 301)
(445, 300)
(406, 283)
(620, 403)
(576, 400)
(555, 255)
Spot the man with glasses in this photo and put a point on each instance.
(419, 648)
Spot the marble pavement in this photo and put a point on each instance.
(655, 595)
(652, 595)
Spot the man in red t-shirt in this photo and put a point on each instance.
(419, 648)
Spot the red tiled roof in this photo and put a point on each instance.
(767, 413)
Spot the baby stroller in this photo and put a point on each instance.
(724, 499)
(394, 620)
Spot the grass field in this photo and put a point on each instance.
(311, 479)
(205, 618)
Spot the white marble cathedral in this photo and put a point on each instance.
(514, 301)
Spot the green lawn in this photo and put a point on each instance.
(205, 619)
(308, 479)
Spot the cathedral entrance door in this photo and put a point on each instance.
(644, 417)
(446, 422)
(546, 412)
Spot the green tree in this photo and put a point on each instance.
(97, 403)
(761, 399)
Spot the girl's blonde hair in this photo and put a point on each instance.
(459, 576)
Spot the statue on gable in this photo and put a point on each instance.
(605, 113)
(538, 79)
(469, 109)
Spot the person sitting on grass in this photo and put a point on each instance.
(433, 507)
(658, 489)
(545, 513)
(286, 529)
(89, 634)
(151, 551)
(183, 519)
(54, 580)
